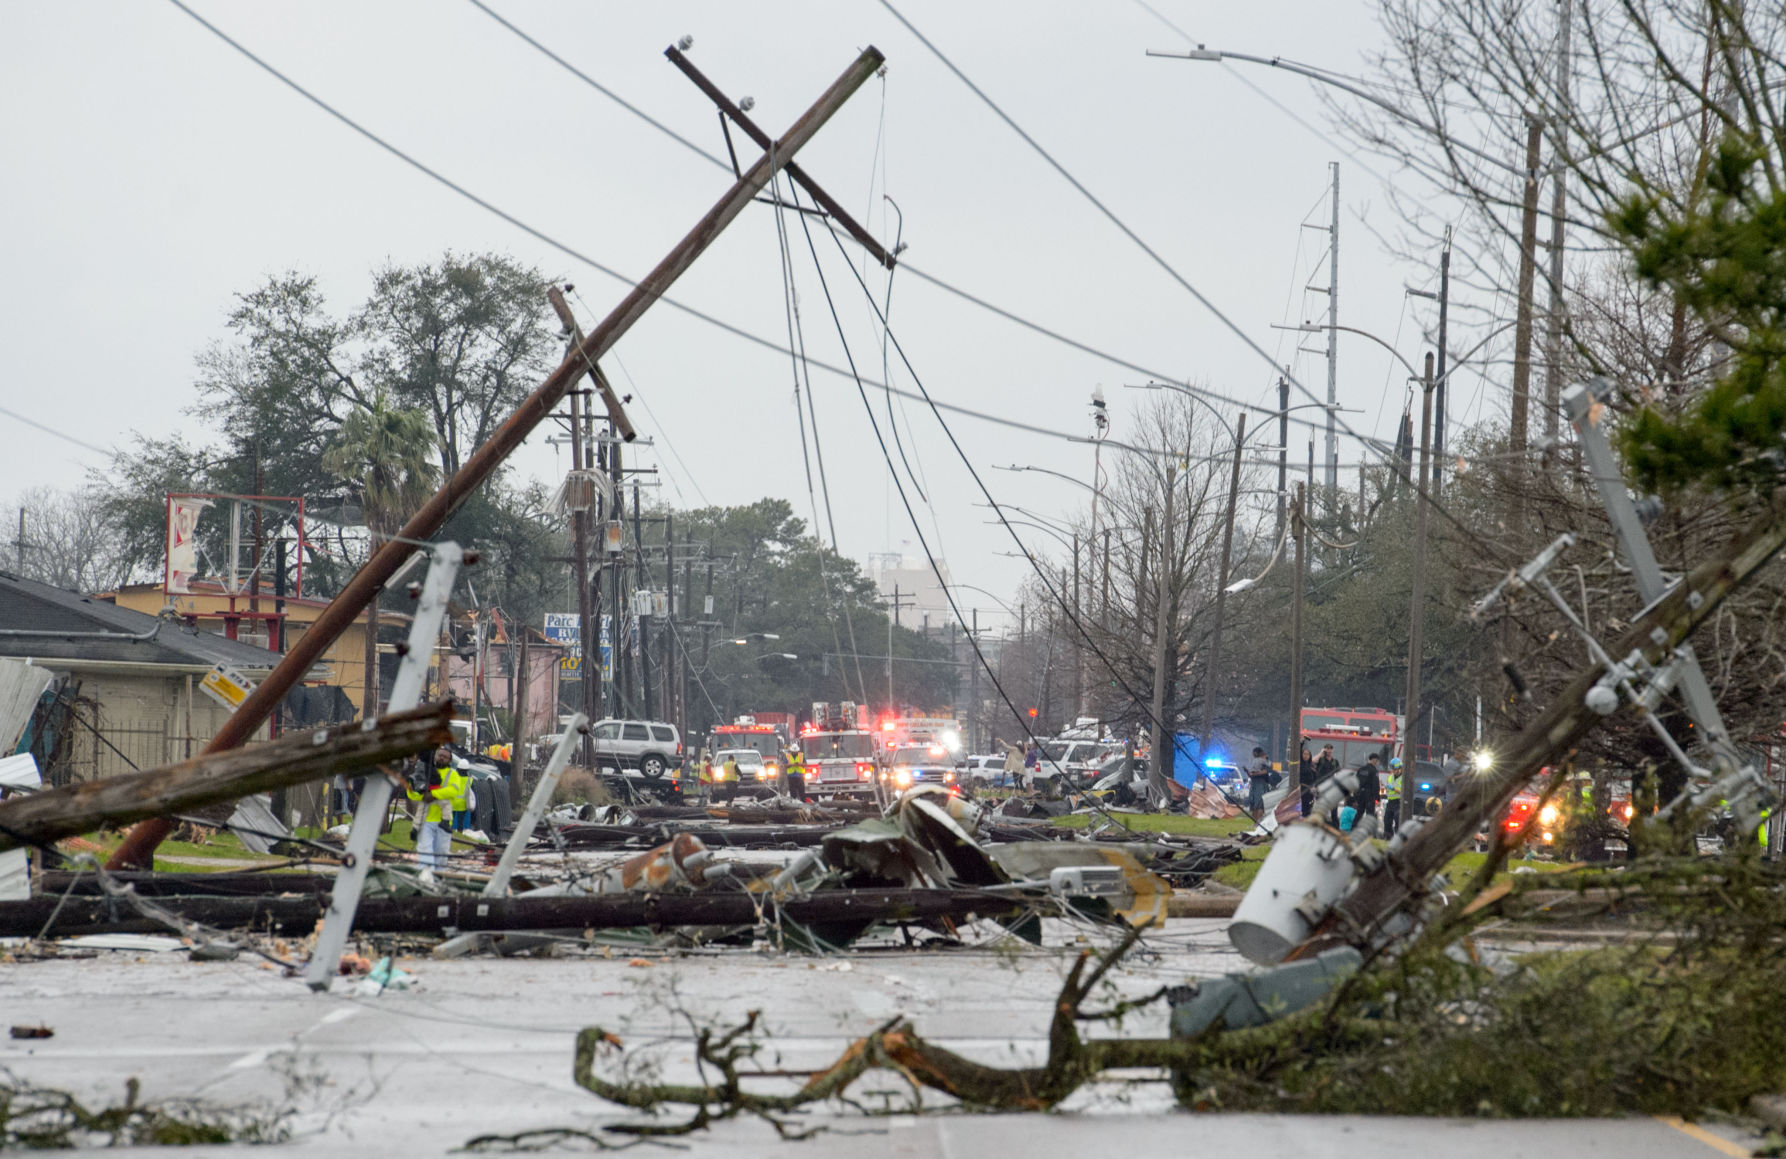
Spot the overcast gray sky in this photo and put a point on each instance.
(153, 173)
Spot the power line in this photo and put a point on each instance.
(1058, 597)
(49, 430)
(914, 271)
(1230, 324)
(694, 312)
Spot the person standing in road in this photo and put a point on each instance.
(1306, 777)
(433, 842)
(1392, 798)
(1370, 787)
(1258, 779)
(1013, 764)
(796, 775)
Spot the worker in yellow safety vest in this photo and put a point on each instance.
(445, 786)
(1392, 797)
(705, 763)
(796, 775)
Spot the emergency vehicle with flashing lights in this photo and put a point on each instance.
(900, 731)
(1543, 824)
(922, 764)
(841, 752)
(768, 741)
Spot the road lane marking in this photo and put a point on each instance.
(1715, 1142)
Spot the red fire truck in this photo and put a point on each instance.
(1354, 733)
(763, 737)
(840, 752)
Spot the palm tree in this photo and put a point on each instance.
(386, 453)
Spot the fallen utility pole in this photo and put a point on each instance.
(498, 884)
(1400, 880)
(138, 848)
(295, 759)
(464, 914)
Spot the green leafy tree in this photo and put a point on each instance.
(383, 452)
(1725, 260)
(463, 340)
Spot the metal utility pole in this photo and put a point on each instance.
(1162, 645)
(1078, 647)
(1417, 609)
(1553, 330)
(1333, 346)
(137, 850)
(1299, 530)
(1528, 263)
(1221, 594)
(973, 689)
(898, 602)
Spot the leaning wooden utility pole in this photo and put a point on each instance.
(1528, 270)
(138, 848)
(1417, 602)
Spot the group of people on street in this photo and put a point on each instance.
(1379, 784)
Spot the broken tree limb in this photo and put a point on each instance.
(139, 845)
(1401, 880)
(895, 1046)
(436, 915)
(294, 759)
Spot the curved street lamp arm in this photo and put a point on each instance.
(1396, 111)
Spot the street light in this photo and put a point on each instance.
(1396, 111)
(780, 655)
(749, 636)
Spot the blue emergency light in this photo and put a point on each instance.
(1213, 762)
(1425, 787)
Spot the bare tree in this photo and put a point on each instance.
(68, 540)
(1092, 645)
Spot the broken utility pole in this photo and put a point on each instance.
(294, 759)
(437, 915)
(1399, 880)
(138, 848)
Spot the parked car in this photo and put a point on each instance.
(651, 747)
(635, 758)
(1078, 758)
(987, 770)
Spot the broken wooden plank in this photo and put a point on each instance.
(294, 759)
(438, 915)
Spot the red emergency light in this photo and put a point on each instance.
(889, 725)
